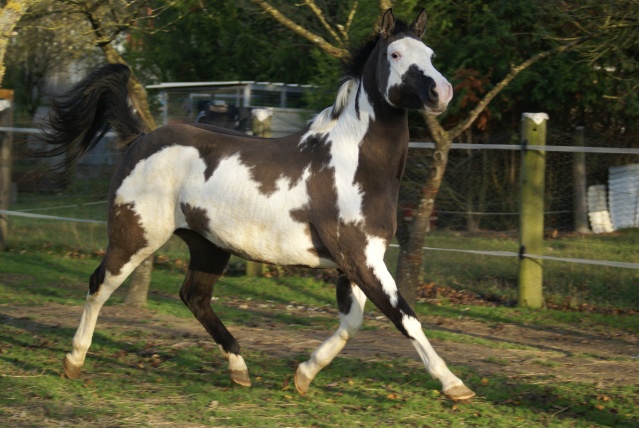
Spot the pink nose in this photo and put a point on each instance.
(445, 92)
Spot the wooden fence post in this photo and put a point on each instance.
(531, 228)
(261, 127)
(6, 141)
(580, 203)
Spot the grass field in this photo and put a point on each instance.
(157, 367)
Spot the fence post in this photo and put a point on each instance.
(580, 203)
(6, 141)
(531, 228)
(261, 126)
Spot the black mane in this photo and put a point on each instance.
(354, 64)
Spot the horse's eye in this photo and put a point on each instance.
(395, 55)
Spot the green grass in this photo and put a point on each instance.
(131, 379)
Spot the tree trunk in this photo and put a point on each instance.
(140, 282)
(141, 277)
(580, 199)
(411, 254)
(137, 93)
(6, 142)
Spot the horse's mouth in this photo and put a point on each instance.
(434, 112)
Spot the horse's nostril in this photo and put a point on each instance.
(432, 92)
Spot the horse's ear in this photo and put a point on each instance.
(419, 24)
(388, 24)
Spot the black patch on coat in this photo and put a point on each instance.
(126, 236)
(196, 218)
(97, 279)
(415, 91)
(344, 294)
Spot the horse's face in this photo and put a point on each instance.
(408, 78)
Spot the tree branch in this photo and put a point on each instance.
(320, 15)
(514, 71)
(384, 5)
(301, 31)
(344, 29)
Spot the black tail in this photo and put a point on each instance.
(82, 116)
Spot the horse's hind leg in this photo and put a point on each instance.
(117, 265)
(131, 240)
(350, 302)
(205, 267)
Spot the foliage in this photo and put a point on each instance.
(226, 41)
(41, 51)
(578, 87)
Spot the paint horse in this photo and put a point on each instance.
(325, 197)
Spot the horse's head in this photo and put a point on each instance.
(406, 76)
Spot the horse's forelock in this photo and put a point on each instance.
(359, 54)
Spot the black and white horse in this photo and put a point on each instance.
(324, 198)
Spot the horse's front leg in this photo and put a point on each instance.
(350, 303)
(370, 272)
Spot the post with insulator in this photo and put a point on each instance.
(531, 228)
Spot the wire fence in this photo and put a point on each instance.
(473, 244)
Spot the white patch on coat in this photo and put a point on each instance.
(375, 250)
(415, 52)
(349, 325)
(345, 136)
(241, 218)
(236, 362)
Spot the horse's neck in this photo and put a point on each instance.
(359, 118)
(387, 133)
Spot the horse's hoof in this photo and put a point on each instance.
(241, 377)
(459, 393)
(71, 371)
(301, 382)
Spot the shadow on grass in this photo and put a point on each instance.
(454, 313)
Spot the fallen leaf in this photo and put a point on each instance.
(287, 380)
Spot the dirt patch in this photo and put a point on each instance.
(603, 358)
